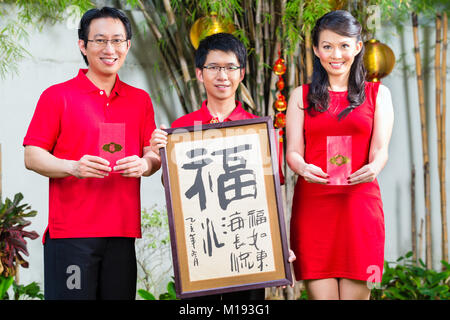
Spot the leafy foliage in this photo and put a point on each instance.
(5, 283)
(32, 290)
(407, 280)
(12, 234)
(169, 295)
(17, 16)
(155, 225)
(13, 245)
(144, 294)
(20, 292)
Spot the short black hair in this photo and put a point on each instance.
(223, 42)
(105, 12)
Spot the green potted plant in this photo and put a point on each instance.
(12, 239)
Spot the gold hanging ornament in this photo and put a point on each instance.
(279, 69)
(280, 105)
(379, 60)
(207, 26)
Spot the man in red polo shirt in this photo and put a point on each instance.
(90, 135)
(220, 62)
(220, 66)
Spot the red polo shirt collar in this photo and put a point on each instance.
(237, 114)
(86, 85)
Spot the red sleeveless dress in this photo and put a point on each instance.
(337, 231)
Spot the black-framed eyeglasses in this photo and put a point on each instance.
(216, 69)
(114, 42)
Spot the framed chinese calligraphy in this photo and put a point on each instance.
(226, 217)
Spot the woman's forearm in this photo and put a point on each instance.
(378, 159)
(295, 161)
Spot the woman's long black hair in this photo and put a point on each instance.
(344, 24)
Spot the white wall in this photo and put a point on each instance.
(56, 58)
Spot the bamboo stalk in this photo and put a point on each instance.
(198, 86)
(293, 71)
(437, 73)
(273, 80)
(294, 77)
(301, 56)
(247, 97)
(437, 76)
(269, 45)
(183, 63)
(413, 215)
(424, 132)
(420, 251)
(158, 37)
(150, 18)
(245, 20)
(277, 9)
(259, 56)
(302, 65)
(250, 18)
(170, 14)
(443, 141)
(308, 56)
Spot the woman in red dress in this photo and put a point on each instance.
(337, 224)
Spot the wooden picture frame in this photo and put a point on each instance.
(224, 203)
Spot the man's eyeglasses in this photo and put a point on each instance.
(114, 42)
(216, 69)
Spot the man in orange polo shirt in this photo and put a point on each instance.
(90, 135)
(220, 62)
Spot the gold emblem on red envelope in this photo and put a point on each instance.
(112, 147)
(339, 160)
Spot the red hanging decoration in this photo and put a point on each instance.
(280, 105)
(280, 120)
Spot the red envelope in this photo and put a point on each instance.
(112, 143)
(339, 159)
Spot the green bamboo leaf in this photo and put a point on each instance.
(422, 263)
(5, 283)
(171, 290)
(146, 295)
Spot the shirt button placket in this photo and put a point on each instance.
(106, 104)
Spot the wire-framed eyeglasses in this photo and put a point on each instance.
(213, 69)
(103, 42)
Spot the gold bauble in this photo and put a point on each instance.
(379, 60)
(279, 67)
(207, 26)
(280, 104)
